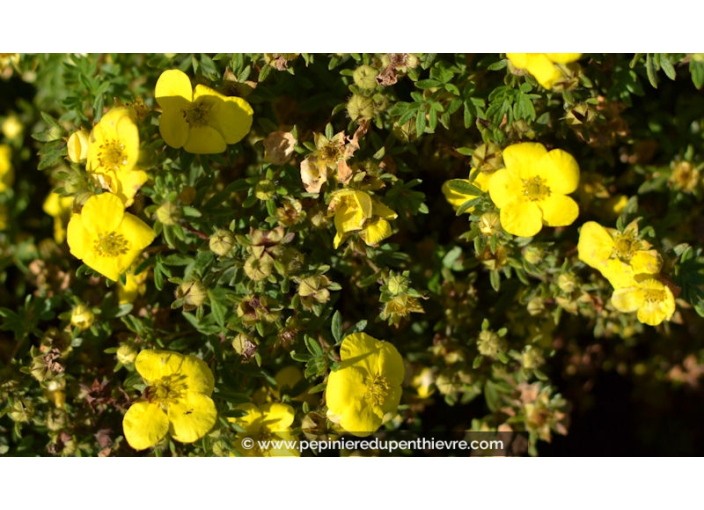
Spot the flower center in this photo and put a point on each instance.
(196, 114)
(625, 246)
(111, 155)
(111, 245)
(330, 153)
(378, 389)
(535, 189)
(166, 390)
(654, 296)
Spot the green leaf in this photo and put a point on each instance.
(337, 326)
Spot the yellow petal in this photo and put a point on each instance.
(231, 116)
(358, 348)
(595, 245)
(379, 209)
(128, 184)
(628, 299)
(505, 187)
(524, 159)
(102, 213)
(277, 418)
(199, 377)
(345, 390)
(191, 417)
(453, 197)
(348, 219)
(542, 68)
(520, 218)
(204, 140)
(251, 422)
(519, 60)
(559, 210)
(390, 364)
(619, 274)
(173, 126)
(128, 135)
(564, 58)
(153, 365)
(80, 240)
(646, 262)
(144, 425)
(364, 203)
(482, 179)
(170, 85)
(561, 171)
(375, 231)
(139, 234)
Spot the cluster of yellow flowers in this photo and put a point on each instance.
(632, 268)
(103, 235)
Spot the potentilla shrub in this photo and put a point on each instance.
(206, 254)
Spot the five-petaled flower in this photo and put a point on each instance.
(653, 300)
(200, 120)
(365, 390)
(268, 428)
(176, 401)
(113, 153)
(619, 256)
(543, 65)
(105, 237)
(531, 189)
(357, 212)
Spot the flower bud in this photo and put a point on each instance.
(168, 213)
(567, 282)
(536, 306)
(365, 77)
(126, 353)
(258, 269)
(265, 190)
(82, 317)
(21, 411)
(487, 158)
(531, 358)
(222, 242)
(533, 254)
(489, 223)
(397, 284)
(243, 345)
(360, 108)
(192, 293)
(77, 146)
(490, 344)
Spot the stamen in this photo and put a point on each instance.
(197, 114)
(111, 155)
(111, 245)
(378, 389)
(535, 189)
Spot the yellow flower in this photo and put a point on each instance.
(200, 120)
(619, 256)
(7, 173)
(113, 152)
(60, 209)
(356, 211)
(456, 199)
(270, 422)
(365, 391)
(652, 300)
(77, 146)
(531, 189)
(105, 237)
(176, 401)
(542, 65)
